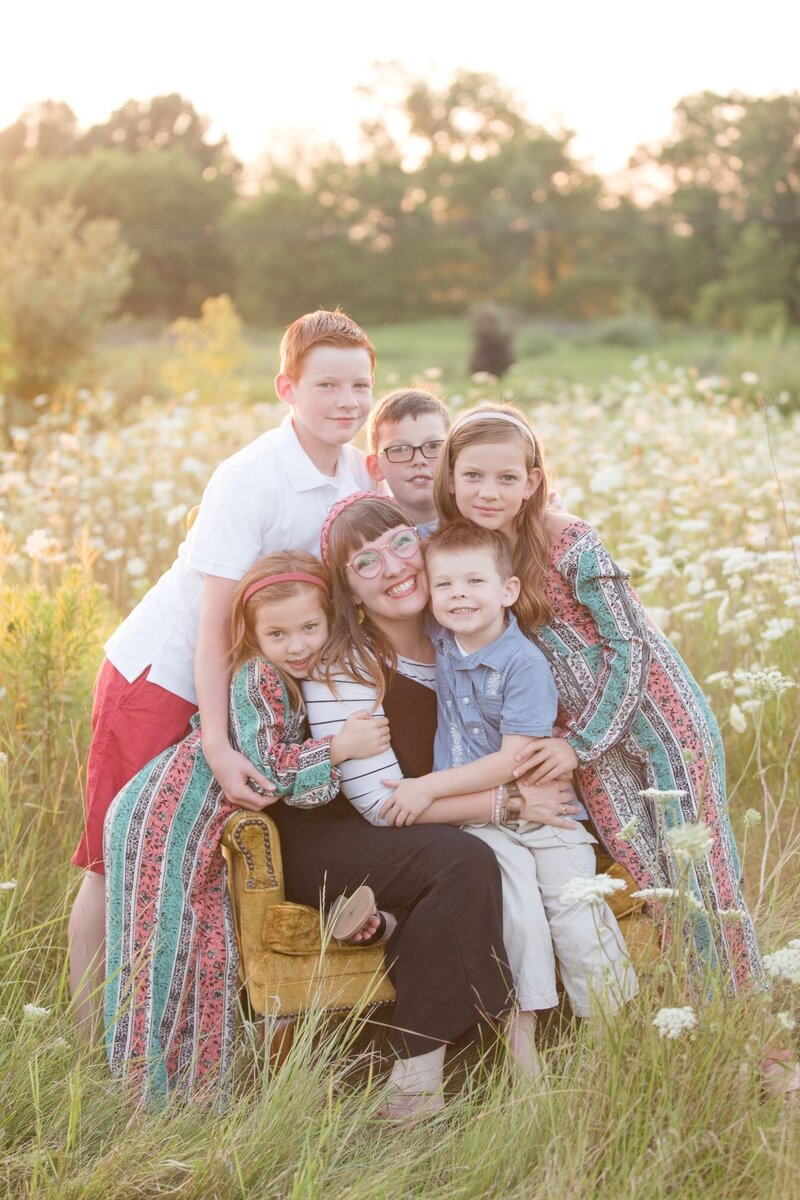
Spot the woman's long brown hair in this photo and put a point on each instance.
(244, 644)
(532, 549)
(358, 649)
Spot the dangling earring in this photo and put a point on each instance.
(359, 614)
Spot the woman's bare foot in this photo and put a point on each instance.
(372, 926)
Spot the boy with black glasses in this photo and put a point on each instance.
(406, 433)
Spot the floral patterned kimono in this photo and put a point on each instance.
(637, 720)
(172, 960)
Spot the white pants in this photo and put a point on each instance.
(536, 862)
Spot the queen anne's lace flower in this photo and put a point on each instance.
(761, 683)
(785, 963)
(35, 1012)
(752, 818)
(591, 891)
(658, 894)
(661, 798)
(8, 885)
(672, 1022)
(786, 1021)
(691, 843)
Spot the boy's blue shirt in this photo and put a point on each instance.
(506, 687)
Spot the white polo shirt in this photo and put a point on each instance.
(268, 496)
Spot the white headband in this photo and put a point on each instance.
(495, 416)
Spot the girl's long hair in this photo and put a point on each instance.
(244, 644)
(357, 648)
(532, 549)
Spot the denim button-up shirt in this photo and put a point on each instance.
(506, 687)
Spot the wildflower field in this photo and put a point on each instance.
(695, 485)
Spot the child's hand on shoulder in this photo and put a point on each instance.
(407, 801)
(361, 736)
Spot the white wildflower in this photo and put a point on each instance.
(672, 1022)
(660, 797)
(776, 627)
(592, 890)
(752, 818)
(737, 719)
(35, 1012)
(731, 916)
(41, 547)
(176, 514)
(658, 895)
(609, 478)
(629, 830)
(432, 373)
(749, 377)
(785, 963)
(762, 683)
(8, 885)
(3, 755)
(136, 567)
(786, 1021)
(691, 843)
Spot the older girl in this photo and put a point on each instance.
(638, 733)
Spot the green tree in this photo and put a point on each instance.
(733, 211)
(167, 122)
(61, 279)
(167, 211)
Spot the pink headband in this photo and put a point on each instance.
(286, 577)
(339, 507)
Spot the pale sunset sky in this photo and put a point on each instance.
(268, 74)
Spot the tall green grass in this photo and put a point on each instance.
(622, 1111)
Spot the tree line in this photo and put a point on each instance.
(472, 202)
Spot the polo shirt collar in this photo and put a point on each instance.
(303, 475)
(495, 656)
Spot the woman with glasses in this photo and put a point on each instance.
(447, 945)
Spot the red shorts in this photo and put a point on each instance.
(131, 723)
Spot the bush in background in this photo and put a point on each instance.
(61, 279)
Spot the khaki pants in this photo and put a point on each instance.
(536, 861)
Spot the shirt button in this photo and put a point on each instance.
(466, 699)
(476, 728)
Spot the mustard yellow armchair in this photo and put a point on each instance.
(285, 961)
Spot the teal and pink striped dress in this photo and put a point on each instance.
(637, 720)
(172, 961)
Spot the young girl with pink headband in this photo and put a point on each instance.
(169, 918)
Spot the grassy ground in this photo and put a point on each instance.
(696, 491)
(428, 352)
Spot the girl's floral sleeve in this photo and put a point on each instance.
(621, 668)
(264, 727)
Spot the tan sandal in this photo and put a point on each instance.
(348, 914)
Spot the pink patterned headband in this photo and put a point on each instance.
(339, 507)
(286, 577)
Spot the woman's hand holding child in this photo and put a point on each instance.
(549, 804)
(544, 760)
(361, 736)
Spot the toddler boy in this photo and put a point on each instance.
(494, 691)
(406, 432)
